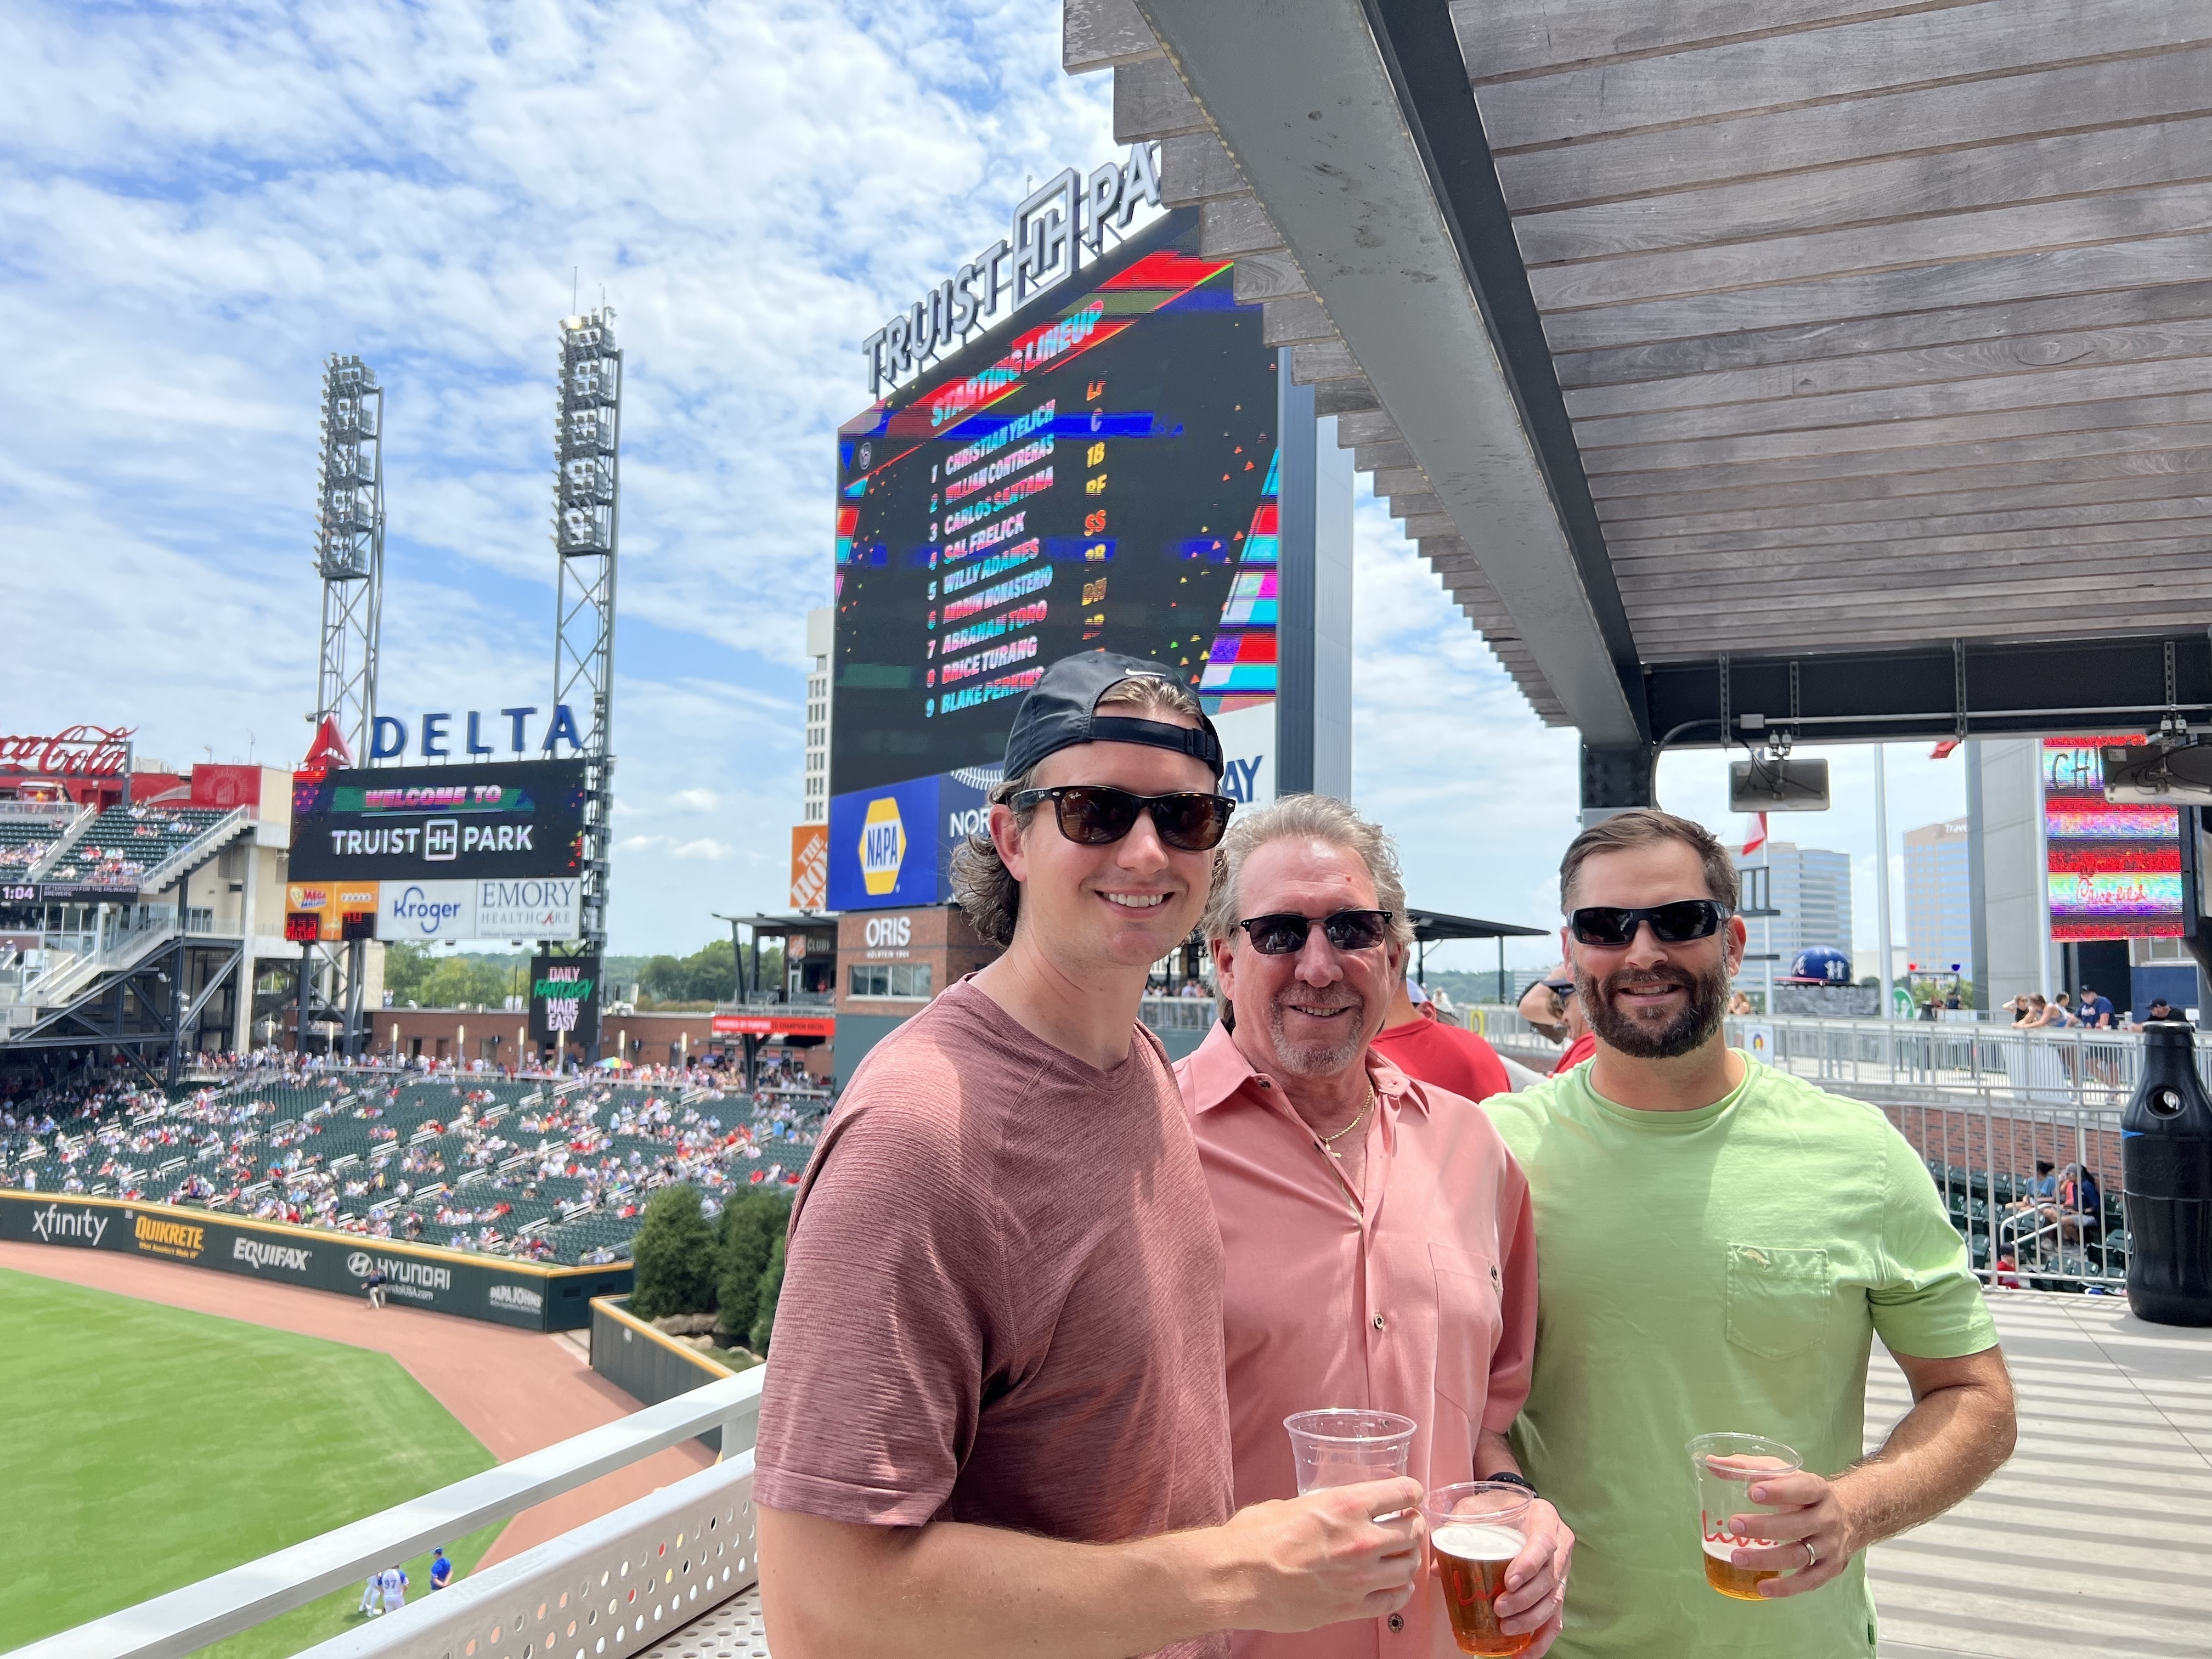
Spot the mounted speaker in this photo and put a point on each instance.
(2138, 774)
(1769, 785)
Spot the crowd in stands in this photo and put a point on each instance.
(125, 843)
(554, 1168)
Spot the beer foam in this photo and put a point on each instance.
(1477, 1543)
(1725, 1549)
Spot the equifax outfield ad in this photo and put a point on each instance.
(438, 1280)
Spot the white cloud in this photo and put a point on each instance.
(203, 202)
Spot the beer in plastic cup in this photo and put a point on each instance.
(1726, 1465)
(1475, 1529)
(1343, 1446)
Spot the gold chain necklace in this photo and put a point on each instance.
(1328, 1141)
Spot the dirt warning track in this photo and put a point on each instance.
(516, 1391)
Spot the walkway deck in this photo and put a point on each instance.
(2096, 1539)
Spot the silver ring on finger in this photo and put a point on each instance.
(1812, 1556)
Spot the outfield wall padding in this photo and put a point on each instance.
(644, 1364)
(491, 1288)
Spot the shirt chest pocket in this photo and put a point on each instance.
(1779, 1300)
(1467, 1325)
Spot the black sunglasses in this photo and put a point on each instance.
(1093, 815)
(1285, 934)
(1678, 923)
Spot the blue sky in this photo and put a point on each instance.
(198, 202)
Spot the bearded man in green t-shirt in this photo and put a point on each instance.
(1717, 1244)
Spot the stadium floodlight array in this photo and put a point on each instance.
(349, 547)
(586, 528)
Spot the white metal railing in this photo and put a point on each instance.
(209, 841)
(61, 849)
(2079, 1067)
(626, 1579)
(1179, 1013)
(1983, 1105)
(122, 948)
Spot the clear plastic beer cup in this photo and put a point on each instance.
(1343, 1446)
(1475, 1529)
(1726, 1466)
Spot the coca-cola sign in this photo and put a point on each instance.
(77, 751)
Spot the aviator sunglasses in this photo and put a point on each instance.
(1678, 923)
(1284, 934)
(1094, 815)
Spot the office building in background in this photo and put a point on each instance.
(1811, 887)
(1939, 923)
(821, 635)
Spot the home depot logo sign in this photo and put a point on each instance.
(883, 846)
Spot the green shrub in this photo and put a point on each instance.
(675, 1256)
(750, 1226)
(771, 1288)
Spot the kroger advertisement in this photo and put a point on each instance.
(420, 912)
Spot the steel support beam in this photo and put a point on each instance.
(1615, 777)
(1965, 689)
(1373, 172)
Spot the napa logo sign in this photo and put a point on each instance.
(888, 845)
(883, 846)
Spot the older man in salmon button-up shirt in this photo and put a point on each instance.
(1379, 1245)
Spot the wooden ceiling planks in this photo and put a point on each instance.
(1877, 324)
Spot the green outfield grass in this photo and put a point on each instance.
(143, 1447)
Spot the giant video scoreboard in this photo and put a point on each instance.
(1097, 473)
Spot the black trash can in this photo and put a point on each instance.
(2166, 1160)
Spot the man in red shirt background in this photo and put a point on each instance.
(1551, 1006)
(1421, 1045)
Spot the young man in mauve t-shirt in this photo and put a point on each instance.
(995, 1421)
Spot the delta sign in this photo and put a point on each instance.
(890, 846)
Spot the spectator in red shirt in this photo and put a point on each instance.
(1423, 1047)
(1551, 1006)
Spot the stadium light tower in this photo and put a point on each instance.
(349, 549)
(586, 522)
(349, 558)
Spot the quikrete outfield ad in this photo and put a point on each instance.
(491, 1288)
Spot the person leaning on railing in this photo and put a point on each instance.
(995, 1421)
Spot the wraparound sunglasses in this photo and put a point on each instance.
(1679, 923)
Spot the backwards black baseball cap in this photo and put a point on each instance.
(1060, 712)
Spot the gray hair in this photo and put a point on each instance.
(1318, 818)
(982, 885)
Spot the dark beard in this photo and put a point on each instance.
(1689, 1029)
